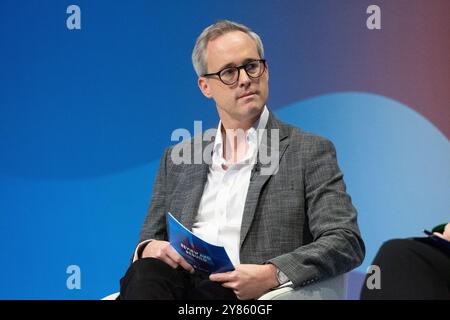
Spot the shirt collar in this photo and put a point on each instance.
(251, 135)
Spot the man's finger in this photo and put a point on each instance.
(185, 265)
(220, 277)
(175, 256)
(169, 261)
(229, 285)
(438, 234)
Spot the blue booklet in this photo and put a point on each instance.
(200, 254)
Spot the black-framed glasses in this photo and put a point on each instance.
(230, 75)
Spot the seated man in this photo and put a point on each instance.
(287, 219)
(415, 268)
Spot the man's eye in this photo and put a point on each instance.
(252, 66)
(227, 72)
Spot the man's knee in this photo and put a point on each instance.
(147, 268)
(151, 278)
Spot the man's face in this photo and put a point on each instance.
(243, 101)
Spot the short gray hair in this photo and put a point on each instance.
(214, 31)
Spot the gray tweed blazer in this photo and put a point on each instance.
(300, 218)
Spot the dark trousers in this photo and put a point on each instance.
(152, 279)
(411, 269)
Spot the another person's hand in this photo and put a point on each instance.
(248, 281)
(446, 234)
(163, 251)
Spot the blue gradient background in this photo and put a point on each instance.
(85, 115)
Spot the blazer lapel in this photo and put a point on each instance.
(194, 179)
(261, 173)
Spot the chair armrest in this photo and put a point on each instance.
(330, 289)
(112, 296)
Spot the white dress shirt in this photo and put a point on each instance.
(219, 217)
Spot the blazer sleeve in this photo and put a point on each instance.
(337, 246)
(154, 226)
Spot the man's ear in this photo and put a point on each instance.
(204, 87)
(267, 71)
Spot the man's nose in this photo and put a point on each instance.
(244, 79)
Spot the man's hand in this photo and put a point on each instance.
(163, 251)
(446, 234)
(248, 281)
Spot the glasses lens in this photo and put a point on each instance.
(229, 75)
(254, 68)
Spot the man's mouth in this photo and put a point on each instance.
(246, 94)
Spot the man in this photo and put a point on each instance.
(287, 220)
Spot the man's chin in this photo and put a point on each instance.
(250, 111)
(252, 106)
